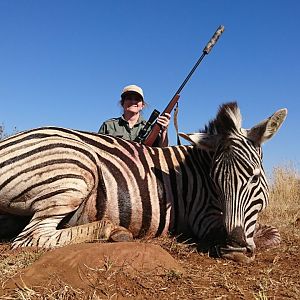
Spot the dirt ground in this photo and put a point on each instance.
(156, 269)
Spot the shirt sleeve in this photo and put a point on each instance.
(103, 129)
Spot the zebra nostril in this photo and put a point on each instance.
(250, 249)
(237, 237)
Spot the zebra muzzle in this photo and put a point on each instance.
(229, 249)
(238, 254)
(234, 248)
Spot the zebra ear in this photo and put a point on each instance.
(201, 140)
(266, 236)
(267, 128)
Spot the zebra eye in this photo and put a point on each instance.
(254, 179)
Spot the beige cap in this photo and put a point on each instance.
(132, 89)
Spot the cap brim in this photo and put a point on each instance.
(132, 92)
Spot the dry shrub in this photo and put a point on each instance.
(3, 132)
(284, 208)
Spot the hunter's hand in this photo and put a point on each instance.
(164, 121)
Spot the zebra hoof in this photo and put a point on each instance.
(121, 235)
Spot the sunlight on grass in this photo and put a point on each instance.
(283, 211)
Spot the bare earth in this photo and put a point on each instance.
(156, 269)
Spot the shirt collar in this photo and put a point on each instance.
(140, 120)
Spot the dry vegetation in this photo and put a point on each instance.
(273, 275)
(3, 132)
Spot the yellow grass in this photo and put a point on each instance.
(283, 211)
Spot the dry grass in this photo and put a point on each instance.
(273, 275)
(11, 262)
(283, 211)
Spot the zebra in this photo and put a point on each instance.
(75, 186)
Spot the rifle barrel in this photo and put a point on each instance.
(156, 128)
(206, 50)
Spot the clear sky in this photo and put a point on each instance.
(65, 62)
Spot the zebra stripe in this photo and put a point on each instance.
(79, 186)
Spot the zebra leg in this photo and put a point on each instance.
(45, 228)
(43, 233)
(120, 234)
(103, 230)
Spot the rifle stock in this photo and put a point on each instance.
(150, 139)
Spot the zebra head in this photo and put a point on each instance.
(237, 172)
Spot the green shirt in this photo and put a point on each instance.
(119, 127)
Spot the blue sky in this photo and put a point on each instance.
(65, 62)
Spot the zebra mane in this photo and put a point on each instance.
(228, 120)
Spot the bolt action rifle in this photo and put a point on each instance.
(149, 139)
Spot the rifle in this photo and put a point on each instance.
(149, 140)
